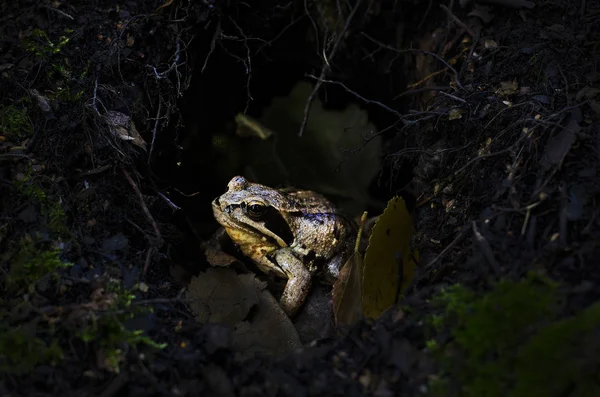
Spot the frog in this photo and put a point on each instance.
(294, 234)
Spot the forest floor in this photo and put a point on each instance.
(117, 130)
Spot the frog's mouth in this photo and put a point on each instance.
(271, 226)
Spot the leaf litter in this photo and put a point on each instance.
(240, 301)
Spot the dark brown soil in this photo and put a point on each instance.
(496, 150)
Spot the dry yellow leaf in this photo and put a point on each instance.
(508, 87)
(389, 263)
(248, 127)
(455, 114)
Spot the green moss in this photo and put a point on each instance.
(563, 359)
(509, 342)
(21, 351)
(40, 45)
(29, 190)
(109, 332)
(15, 123)
(28, 263)
(28, 258)
(51, 210)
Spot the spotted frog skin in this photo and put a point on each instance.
(295, 234)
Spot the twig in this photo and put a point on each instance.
(148, 259)
(418, 90)
(143, 205)
(424, 18)
(506, 109)
(278, 35)
(213, 44)
(426, 78)
(64, 14)
(169, 202)
(487, 250)
(314, 25)
(186, 194)
(484, 156)
(453, 97)
(439, 58)
(95, 97)
(325, 66)
(247, 63)
(528, 215)
(154, 130)
(458, 21)
(93, 171)
(362, 98)
(174, 65)
(458, 238)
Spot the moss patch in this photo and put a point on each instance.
(510, 342)
(29, 263)
(107, 329)
(14, 123)
(22, 351)
(40, 45)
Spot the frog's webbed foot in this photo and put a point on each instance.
(299, 281)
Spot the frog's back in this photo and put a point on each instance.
(324, 231)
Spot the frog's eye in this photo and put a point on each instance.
(256, 210)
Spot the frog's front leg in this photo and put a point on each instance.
(299, 281)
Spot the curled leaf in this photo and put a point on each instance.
(347, 292)
(348, 289)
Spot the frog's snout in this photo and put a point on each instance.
(216, 206)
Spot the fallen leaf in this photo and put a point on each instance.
(489, 44)
(330, 135)
(213, 250)
(595, 106)
(508, 87)
(455, 114)
(41, 100)
(122, 126)
(389, 263)
(347, 292)
(248, 127)
(241, 302)
(220, 295)
(269, 332)
(586, 93)
(558, 147)
(482, 12)
(348, 288)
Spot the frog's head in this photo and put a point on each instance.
(252, 212)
